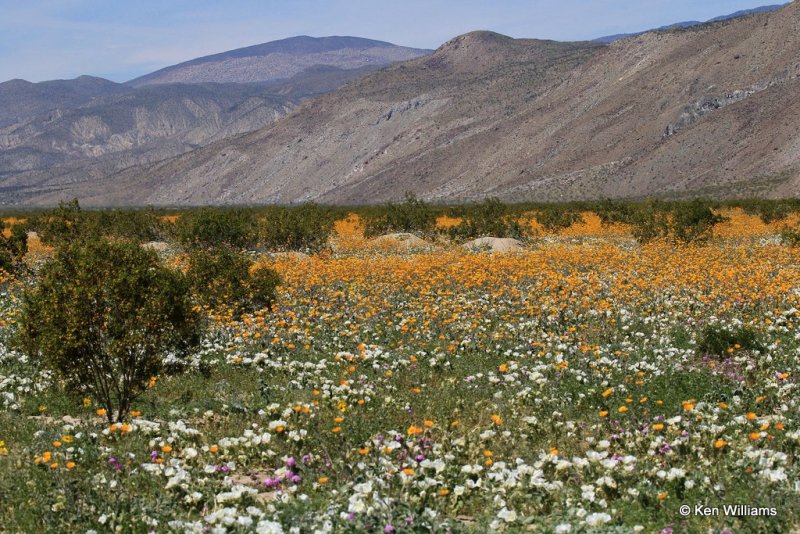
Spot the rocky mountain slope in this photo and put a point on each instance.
(20, 99)
(88, 128)
(282, 59)
(709, 110)
(690, 23)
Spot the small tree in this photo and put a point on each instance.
(104, 316)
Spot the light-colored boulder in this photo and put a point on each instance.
(494, 244)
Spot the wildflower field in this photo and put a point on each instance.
(586, 383)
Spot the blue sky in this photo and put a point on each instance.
(120, 39)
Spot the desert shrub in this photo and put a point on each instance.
(13, 247)
(305, 228)
(137, 225)
(790, 236)
(555, 218)
(222, 277)
(489, 218)
(614, 212)
(412, 215)
(768, 211)
(65, 224)
(649, 221)
(717, 340)
(211, 227)
(105, 316)
(693, 221)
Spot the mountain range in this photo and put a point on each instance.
(707, 109)
(690, 23)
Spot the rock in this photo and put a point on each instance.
(292, 255)
(494, 244)
(158, 246)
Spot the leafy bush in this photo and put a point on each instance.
(211, 227)
(138, 225)
(65, 224)
(104, 316)
(222, 277)
(13, 248)
(717, 340)
(649, 222)
(412, 216)
(555, 218)
(693, 221)
(304, 228)
(489, 218)
(768, 211)
(790, 237)
(612, 212)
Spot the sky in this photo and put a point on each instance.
(121, 39)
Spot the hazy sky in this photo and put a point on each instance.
(121, 39)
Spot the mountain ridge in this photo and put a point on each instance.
(281, 59)
(538, 120)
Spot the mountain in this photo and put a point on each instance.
(137, 126)
(690, 23)
(709, 110)
(89, 128)
(20, 98)
(282, 59)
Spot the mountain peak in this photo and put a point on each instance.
(282, 59)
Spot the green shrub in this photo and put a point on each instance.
(211, 227)
(790, 237)
(489, 218)
(13, 248)
(716, 340)
(613, 212)
(412, 216)
(137, 225)
(649, 222)
(104, 316)
(555, 218)
(221, 277)
(305, 228)
(65, 224)
(768, 211)
(693, 221)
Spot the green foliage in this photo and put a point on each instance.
(412, 216)
(614, 212)
(769, 210)
(717, 340)
(222, 277)
(650, 221)
(13, 248)
(489, 218)
(211, 227)
(555, 218)
(790, 237)
(104, 316)
(305, 228)
(65, 224)
(137, 225)
(693, 221)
